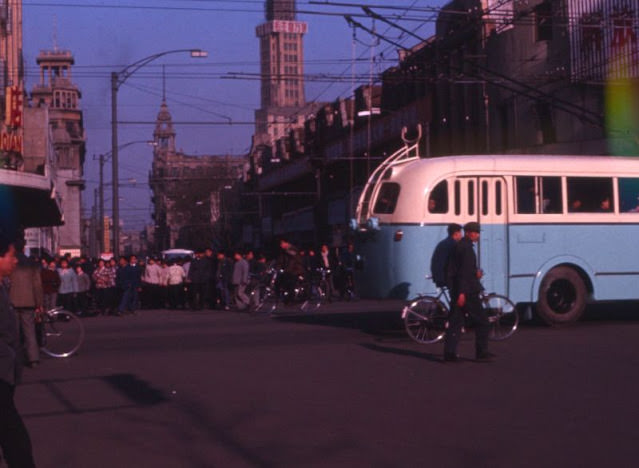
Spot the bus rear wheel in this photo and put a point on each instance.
(562, 296)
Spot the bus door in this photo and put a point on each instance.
(492, 212)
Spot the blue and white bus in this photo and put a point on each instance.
(557, 231)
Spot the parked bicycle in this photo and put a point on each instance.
(426, 317)
(60, 333)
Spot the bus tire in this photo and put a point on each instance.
(562, 296)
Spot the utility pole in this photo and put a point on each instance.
(101, 245)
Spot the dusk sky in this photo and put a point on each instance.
(215, 97)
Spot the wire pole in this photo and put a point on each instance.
(114, 165)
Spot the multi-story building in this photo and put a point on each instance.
(61, 97)
(26, 154)
(187, 191)
(282, 72)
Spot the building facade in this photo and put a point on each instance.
(27, 167)
(61, 97)
(187, 191)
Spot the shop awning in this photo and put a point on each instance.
(28, 200)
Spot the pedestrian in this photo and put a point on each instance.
(163, 293)
(327, 264)
(50, 285)
(176, 277)
(223, 274)
(151, 280)
(130, 281)
(442, 254)
(466, 288)
(26, 297)
(199, 274)
(102, 280)
(68, 285)
(83, 286)
(240, 280)
(292, 268)
(112, 294)
(14, 438)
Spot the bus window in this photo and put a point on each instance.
(484, 198)
(471, 197)
(438, 200)
(387, 198)
(550, 194)
(498, 207)
(589, 194)
(629, 195)
(457, 197)
(525, 194)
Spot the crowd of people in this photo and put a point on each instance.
(208, 280)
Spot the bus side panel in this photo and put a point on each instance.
(396, 268)
(493, 258)
(604, 254)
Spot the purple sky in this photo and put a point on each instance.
(108, 35)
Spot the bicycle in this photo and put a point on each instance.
(60, 333)
(274, 298)
(426, 317)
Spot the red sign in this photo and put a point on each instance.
(13, 108)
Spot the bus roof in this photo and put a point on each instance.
(525, 164)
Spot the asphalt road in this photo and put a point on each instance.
(343, 387)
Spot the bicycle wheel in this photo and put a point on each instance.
(316, 296)
(425, 320)
(502, 315)
(268, 301)
(62, 334)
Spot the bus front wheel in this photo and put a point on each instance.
(562, 296)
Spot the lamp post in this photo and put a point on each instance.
(117, 79)
(102, 158)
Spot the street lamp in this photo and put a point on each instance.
(117, 79)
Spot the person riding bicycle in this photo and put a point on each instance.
(292, 267)
(442, 253)
(465, 288)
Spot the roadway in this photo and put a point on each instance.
(343, 387)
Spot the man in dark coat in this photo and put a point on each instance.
(14, 438)
(465, 297)
(442, 253)
(130, 281)
(199, 277)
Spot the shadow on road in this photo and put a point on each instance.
(388, 324)
(612, 311)
(403, 352)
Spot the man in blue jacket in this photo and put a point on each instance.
(130, 281)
